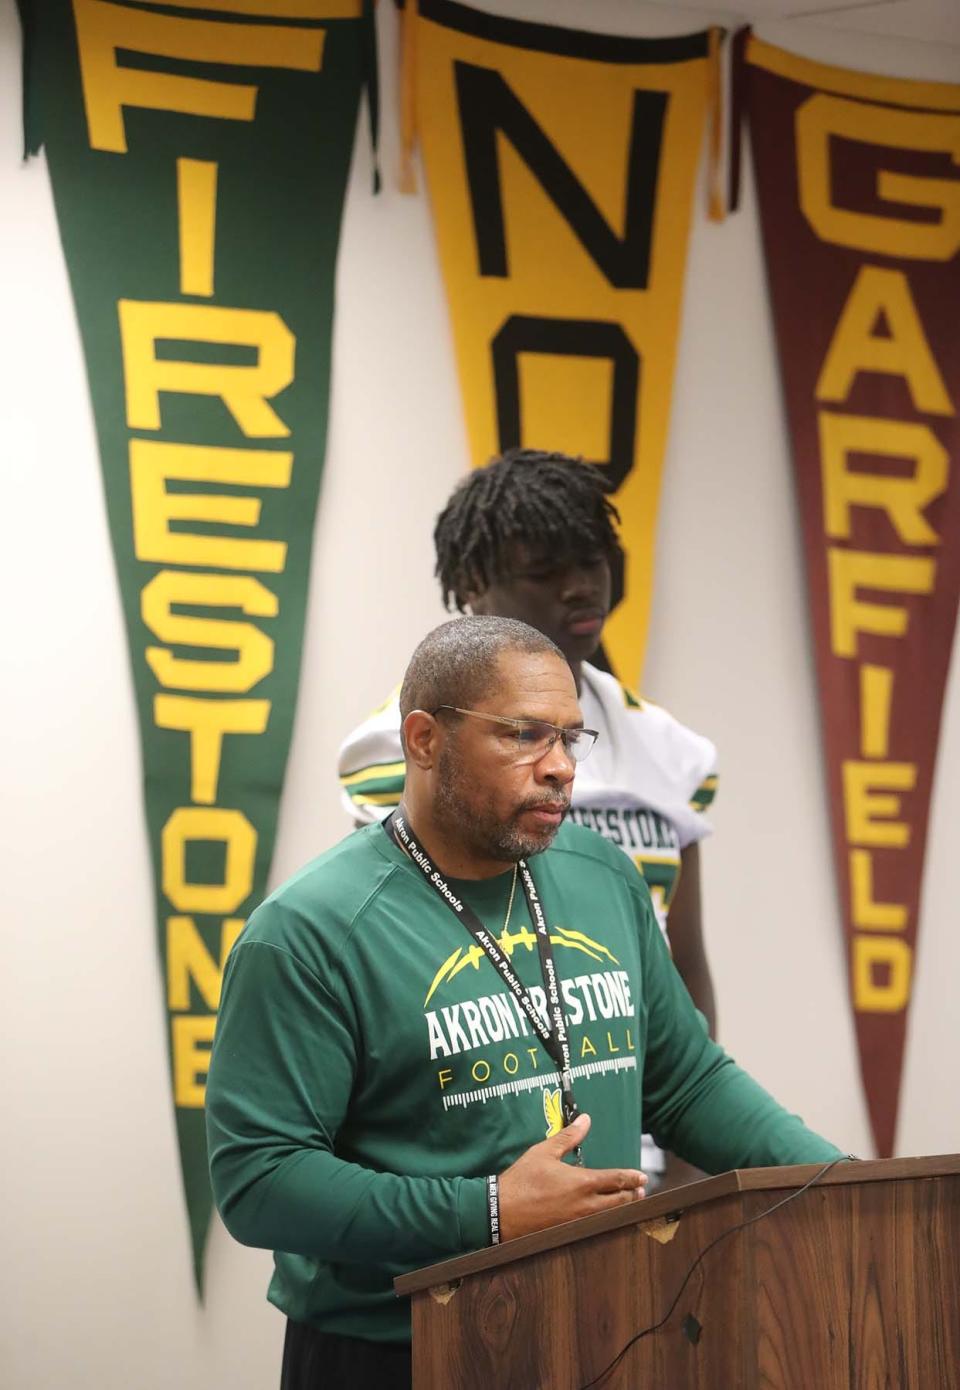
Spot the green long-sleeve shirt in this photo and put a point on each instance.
(370, 1067)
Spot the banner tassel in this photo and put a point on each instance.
(737, 80)
(717, 210)
(371, 82)
(408, 96)
(32, 137)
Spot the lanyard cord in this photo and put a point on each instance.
(555, 1037)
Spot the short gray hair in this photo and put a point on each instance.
(456, 663)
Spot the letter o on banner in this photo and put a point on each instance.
(208, 823)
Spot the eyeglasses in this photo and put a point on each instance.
(535, 737)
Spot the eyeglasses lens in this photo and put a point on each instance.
(535, 740)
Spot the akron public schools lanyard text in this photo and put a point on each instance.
(555, 1039)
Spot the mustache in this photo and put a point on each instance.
(544, 803)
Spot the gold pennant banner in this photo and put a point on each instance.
(561, 168)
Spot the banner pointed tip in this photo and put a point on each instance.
(201, 1207)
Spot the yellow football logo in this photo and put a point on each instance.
(552, 1111)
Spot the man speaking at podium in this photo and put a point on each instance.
(452, 1029)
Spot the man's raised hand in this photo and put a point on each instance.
(540, 1190)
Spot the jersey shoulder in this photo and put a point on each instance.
(371, 765)
(644, 732)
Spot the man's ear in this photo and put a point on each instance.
(421, 734)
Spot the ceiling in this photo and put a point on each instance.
(932, 24)
(929, 21)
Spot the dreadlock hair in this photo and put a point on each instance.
(546, 499)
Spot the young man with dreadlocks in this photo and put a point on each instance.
(532, 536)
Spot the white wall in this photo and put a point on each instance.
(96, 1284)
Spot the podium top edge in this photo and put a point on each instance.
(673, 1203)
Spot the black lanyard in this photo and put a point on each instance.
(556, 1038)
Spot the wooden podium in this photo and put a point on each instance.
(854, 1283)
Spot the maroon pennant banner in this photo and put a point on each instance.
(859, 192)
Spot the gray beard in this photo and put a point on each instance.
(481, 833)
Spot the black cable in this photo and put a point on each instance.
(741, 1226)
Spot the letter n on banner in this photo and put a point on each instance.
(859, 195)
(561, 167)
(198, 166)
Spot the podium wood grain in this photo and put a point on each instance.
(854, 1285)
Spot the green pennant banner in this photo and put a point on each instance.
(199, 164)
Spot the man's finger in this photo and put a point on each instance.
(606, 1201)
(569, 1138)
(616, 1179)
